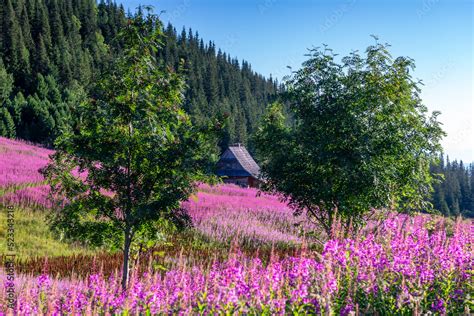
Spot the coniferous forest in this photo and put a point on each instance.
(454, 194)
(52, 50)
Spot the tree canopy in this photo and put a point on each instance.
(360, 138)
(71, 43)
(137, 154)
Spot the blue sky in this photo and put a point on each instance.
(274, 34)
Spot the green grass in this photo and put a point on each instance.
(32, 236)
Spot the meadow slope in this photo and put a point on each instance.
(395, 265)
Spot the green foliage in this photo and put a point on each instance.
(43, 116)
(218, 85)
(7, 127)
(33, 238)
(73, 42)
(140, 153)
(361, 138)
(454, 195)
(6, 83)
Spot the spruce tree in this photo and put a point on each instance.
(6, 83)
(7, 127)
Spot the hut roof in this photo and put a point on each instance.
(236, 161)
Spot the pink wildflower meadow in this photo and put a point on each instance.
(403, 266)
(20, 162)
(399, 265)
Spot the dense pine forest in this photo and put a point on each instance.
(454, 195)
(52, 50)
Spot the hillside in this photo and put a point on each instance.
(229, 208)
(22, 186)
(114, 201)
(244, 253)
(52, 51)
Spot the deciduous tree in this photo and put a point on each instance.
(137, 155)
(361, 138)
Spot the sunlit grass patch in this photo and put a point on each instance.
(33, 237)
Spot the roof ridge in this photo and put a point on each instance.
(245, 160)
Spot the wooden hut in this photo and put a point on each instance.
(237, 166)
